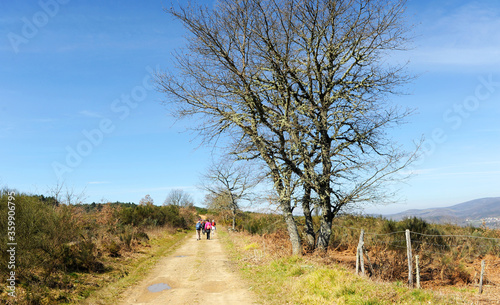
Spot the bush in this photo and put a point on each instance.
(424, 235)
(113, 248)
(55, 239)
(52, 237)
(80, 257)
(262, 223)
(152, 216)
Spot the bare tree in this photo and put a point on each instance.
(303, 86)
(179, 198)
(56, 192)
(221, 202)
(69, 197)
(228, 185)
(147, 200)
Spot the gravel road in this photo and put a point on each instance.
(197, 272)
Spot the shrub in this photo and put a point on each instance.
(141, 236)
(152, 216)
(262, 223)
(56, 239)
(424, 235)
(113, 248)
(53, 239)
(80, 257)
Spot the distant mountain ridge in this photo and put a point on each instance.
(473, 212)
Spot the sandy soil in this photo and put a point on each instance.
(197, 272)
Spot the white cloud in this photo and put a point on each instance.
(457, 56)
(466, 35)
(90, 114)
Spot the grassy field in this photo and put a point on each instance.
(280, 279)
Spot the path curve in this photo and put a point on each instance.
(197, 272)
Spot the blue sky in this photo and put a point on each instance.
(77, 103)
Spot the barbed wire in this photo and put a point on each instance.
(417, 233)
(437, 249)
(433, 244)
(451, 235)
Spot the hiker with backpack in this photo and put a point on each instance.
(199, 225)
(213, 227)
(208, 226)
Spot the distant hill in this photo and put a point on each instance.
(473, 212)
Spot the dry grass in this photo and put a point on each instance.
(104, 287)
(279, 278)
(70, 251)
(131, 268)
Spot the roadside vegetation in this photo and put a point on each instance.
(66, 252)
(90, 253)
(449, 267)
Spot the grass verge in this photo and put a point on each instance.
(133, 269)
(302, 280)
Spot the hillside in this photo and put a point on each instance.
(472, 212)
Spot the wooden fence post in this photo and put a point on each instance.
(359, 254)
(408, 252)
(418, 271)
(369, 262)
(481, 278)
(362, 261)
(357, 260)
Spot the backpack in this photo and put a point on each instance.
(198, 226)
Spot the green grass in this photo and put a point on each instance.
(297, 280)
(251, 246)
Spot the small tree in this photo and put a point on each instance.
(228, 185)
(222, 204)
(179, 198)
(147, 200)
(69, 197)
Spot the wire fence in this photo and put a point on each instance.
(443, 259)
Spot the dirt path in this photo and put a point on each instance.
(177, 278)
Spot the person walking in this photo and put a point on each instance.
(198, 229)
(208, 226)
(213, 227)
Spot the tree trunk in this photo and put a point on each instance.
(234, 218)
(325, 232)
(282, 184)
(306, 207)
(293, 232)
(325, 229)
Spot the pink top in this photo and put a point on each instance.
(208, 226)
